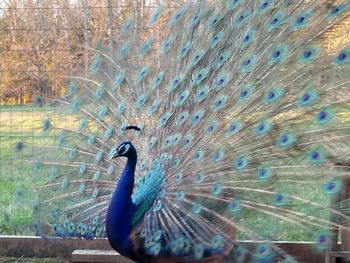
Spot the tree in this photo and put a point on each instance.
(42, 41)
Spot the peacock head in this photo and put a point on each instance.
(126, 149)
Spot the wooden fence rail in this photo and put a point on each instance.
(28, 246)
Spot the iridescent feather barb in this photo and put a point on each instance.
(239, 130)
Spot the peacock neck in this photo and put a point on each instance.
(126, 182)
(121, 211)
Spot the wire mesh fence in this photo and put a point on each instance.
(20, 127)
(42, 43)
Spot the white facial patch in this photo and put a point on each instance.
(126, 149)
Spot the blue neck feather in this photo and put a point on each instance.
(121, 210)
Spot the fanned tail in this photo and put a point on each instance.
(242, 111)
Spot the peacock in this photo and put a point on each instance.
(231, 123)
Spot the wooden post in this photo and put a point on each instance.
(345, 233)
(342, 251)
(86, 34)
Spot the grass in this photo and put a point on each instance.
(18, 124)
(23, 108)
(24, 123)
(12, 171)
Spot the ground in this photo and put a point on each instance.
(32, 260)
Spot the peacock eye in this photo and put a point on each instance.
(123, 149)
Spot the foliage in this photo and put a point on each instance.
(43, 42)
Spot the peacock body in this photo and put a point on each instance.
(227, 121)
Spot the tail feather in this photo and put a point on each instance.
(241, 111)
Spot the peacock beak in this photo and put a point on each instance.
(113, 154)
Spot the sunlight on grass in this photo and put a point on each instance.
(17, 181)
(20, 124)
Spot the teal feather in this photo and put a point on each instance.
(147, 190)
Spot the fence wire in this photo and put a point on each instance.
(41, 42)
